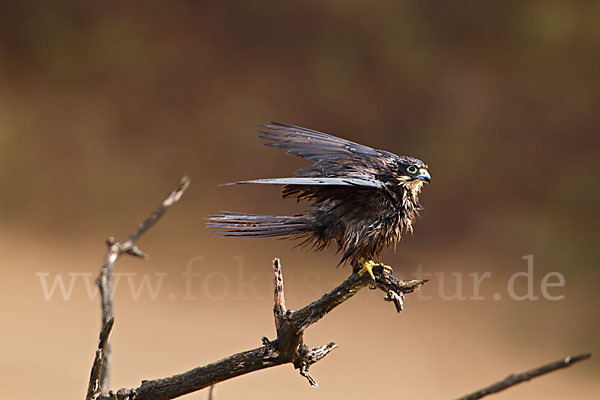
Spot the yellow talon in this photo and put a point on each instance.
(368, 265)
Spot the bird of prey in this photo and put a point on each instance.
(361, 199)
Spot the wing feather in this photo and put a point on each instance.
(341, 181)
(310, 144)
(332, 156)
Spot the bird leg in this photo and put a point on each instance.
(368, 265)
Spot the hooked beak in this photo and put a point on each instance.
(423, 175)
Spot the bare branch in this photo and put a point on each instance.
(279, 309)
(104, 280)
(386, 282)
(309, 357)
(288, 347)
(94, 385)
(517, 378)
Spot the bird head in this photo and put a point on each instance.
(412, 170)
(411, 174)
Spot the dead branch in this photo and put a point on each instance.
(288, 347)
(517, 378)
(94, 385)
(100, 376)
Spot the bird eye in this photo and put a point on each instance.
(412, 169)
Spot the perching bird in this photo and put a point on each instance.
(361, 198)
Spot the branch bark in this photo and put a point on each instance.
(100, 380)
(94, 385)
(514, 379)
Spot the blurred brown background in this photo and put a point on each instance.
(104, 105)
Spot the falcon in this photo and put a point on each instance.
(361, 199)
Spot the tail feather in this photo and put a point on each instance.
(254, 225)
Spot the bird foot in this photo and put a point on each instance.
(368, 265)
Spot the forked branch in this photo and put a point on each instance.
(100, 376)
(287, 347)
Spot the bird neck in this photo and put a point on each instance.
(410, 203)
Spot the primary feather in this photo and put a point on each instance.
(347, 181)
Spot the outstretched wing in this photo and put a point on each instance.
(339, 165)
(332, 156)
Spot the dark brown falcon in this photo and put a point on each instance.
(361, 198)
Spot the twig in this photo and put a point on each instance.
(94, 385)
(279, 309)
(517, 378)
(389, 284)
(211, 392)
(288, 347)
(104, 280)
